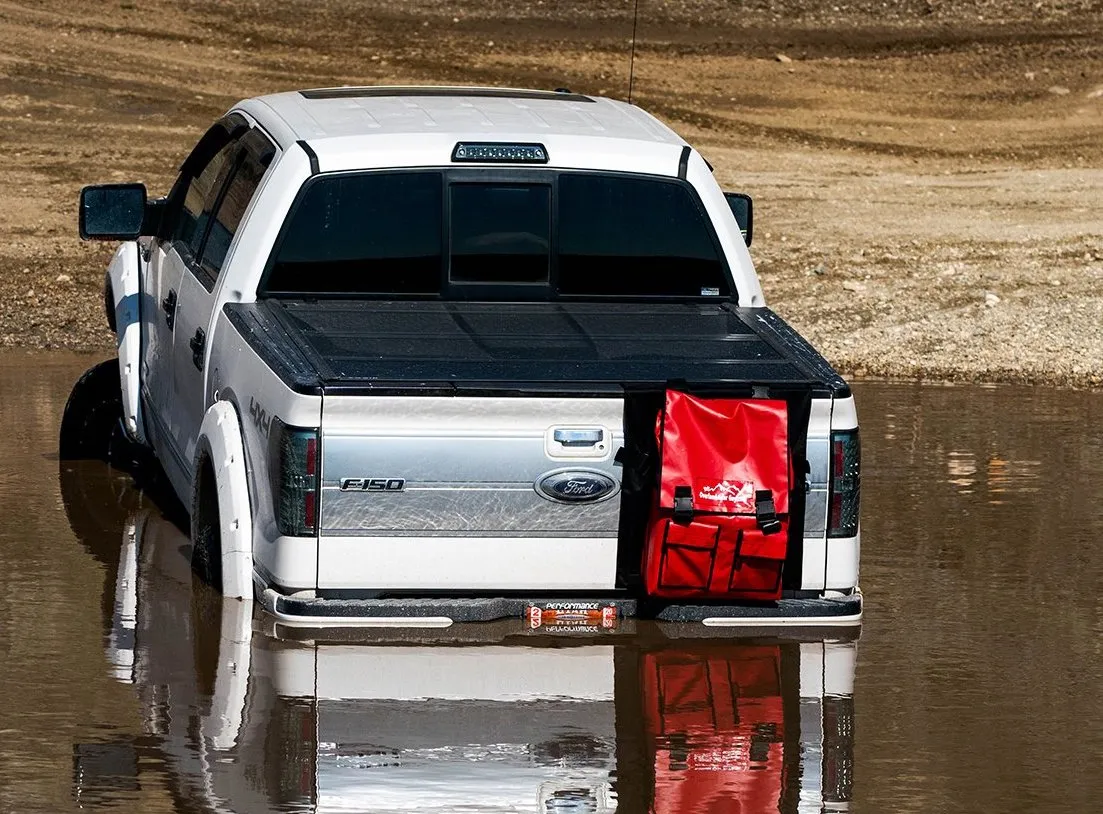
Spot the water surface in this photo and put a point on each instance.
(975, 685)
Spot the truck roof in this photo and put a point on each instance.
(343, 122)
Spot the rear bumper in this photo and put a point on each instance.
(304, 610)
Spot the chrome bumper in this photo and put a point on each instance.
(306, 610)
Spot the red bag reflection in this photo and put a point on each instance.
(716, 727)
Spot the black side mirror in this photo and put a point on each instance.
(112, 211)
(743, 210)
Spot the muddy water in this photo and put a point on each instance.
(975, 686)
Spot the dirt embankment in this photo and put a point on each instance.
(928, 174)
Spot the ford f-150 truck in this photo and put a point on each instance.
(415, 356)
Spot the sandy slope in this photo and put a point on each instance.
(912, 161)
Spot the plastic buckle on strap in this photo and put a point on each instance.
(765, 513)
(683, 504)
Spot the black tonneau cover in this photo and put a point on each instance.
(376, 346)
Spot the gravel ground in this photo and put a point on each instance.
(927, 174)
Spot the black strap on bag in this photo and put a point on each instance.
(765, 512)
(683, 504)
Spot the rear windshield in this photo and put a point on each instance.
(624, 235)
(500, 233)
(566, 235)
(367, 234)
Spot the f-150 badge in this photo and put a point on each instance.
(576, 486)
(373, 484)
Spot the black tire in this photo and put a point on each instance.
(92, 424)
(109, 304)
(206, 532)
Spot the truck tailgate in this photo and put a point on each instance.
(436, 419)
(469, 492)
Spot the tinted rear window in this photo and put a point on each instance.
(579, 235)
(620, 235)
(500, 233)
(356, 234)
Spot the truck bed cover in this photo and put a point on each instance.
(370, 346)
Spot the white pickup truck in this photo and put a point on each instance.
(404, 353)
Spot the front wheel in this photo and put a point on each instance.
(206, 528)
(92, 424)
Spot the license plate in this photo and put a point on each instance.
(571, 617)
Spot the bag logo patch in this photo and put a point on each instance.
(732, 496)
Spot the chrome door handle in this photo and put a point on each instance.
(577, 438)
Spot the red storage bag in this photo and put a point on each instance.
(720, 524)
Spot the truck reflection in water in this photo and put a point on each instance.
(242, 715)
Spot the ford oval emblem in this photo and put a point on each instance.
(576, 486)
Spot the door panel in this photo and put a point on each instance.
(179, 238)
(160, 287)
(224, 203)
(189, 362)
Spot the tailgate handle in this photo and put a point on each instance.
(578, 438)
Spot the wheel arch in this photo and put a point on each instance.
(122, 301)
(221, 442)
(226, 393)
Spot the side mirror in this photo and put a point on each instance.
(743, 210)
(112, 211)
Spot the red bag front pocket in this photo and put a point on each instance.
(714, 557)
(756, 545)
(755, 578)
(687, 555)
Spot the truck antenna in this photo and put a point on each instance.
(632, 60)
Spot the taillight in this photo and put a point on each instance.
(293, 458)
(845, 483)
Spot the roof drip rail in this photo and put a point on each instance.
(683, 162)
(313, 156)
(441, 91)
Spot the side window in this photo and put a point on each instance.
(243, 185)
(199, 200)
